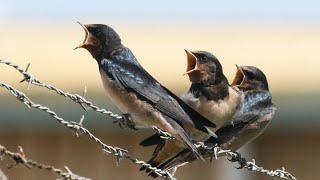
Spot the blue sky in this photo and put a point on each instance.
(249, 11)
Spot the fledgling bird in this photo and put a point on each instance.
(142, 99)
(255, 112)
(210, 94)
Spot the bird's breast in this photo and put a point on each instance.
(142, 112)
(219, 112)
(126, 101)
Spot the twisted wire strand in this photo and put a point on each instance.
(235, 156)
(251, 165)
(77, 127)
(74, 97)
(20, 158)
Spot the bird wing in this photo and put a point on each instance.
(135, 79)
(255, 106)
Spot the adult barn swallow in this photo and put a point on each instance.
(210, 94)
(142, 99)
(251, 119)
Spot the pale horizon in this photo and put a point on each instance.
(280, 37)
(288, 58)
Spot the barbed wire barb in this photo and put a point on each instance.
(116, 151)
(20, 158)
(74, 97)
(235, 157)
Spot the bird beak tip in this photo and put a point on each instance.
(79, 46)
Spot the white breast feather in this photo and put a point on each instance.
(143, 114)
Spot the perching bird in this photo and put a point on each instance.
(142, 99)
(210, 94)
(255, 112)
(251, 119)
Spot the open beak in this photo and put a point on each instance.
(239, 78)
(192, 63)
(89, 39)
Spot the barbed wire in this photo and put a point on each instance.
(20, 158)
(31, 79)
(249, 165)
(77, 127)
(118, 152)
(235, 157)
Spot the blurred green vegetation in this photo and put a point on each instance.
(296, 112)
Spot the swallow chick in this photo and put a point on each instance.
(210, 94)
(254, 114)
(143, 100)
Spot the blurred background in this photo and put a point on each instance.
(280, 37)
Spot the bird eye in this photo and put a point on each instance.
(203, 57)
(96, 32)
(250, 75)
(99, 33)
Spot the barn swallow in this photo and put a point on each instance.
(142, 99)
(255, 112)
(210, 94)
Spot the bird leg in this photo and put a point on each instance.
(126, 121)
(238, 158)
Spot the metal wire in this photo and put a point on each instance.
(236, 157)
(20, 158)
(74, 97)
(77, 127)
(118, 152)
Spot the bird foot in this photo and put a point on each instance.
(126, 122)
(238, 158)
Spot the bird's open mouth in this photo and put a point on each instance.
(192, 63)
(238, 79)
(193, 70)
(89, 39)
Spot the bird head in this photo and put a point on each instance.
(203, 67)
(250, 78)
(99, 39)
